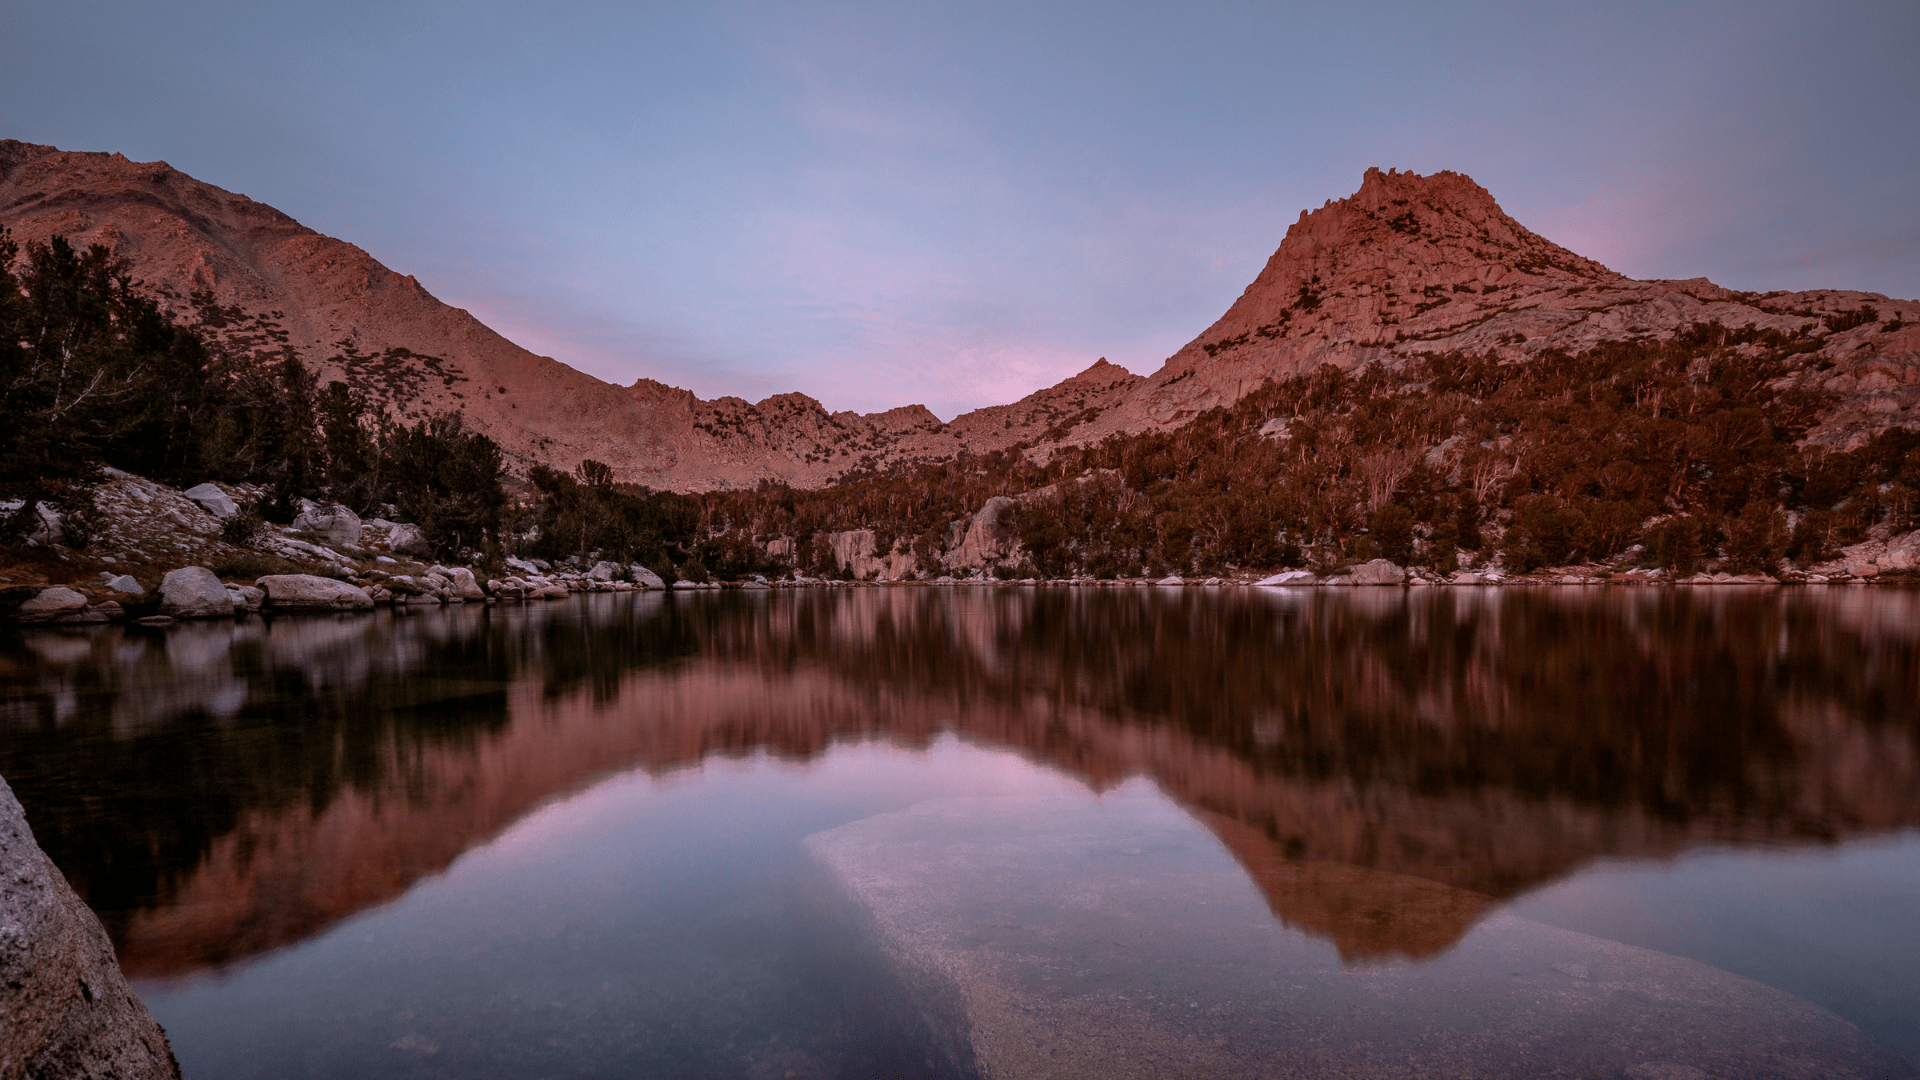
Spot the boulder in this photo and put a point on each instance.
(464, 585)
(194, 592)
(51, 605)
(684, 585)
(408, 540)
(122, 583)
(105, 611)
(336, 525)
(1863, 569)
(212, 500)
(67, 1009)
(246, 598)
(1289, 577)
(644, 577)
(603, 571)
(1171, 579)
(1378, 572)
(522, 565)
(306, 592)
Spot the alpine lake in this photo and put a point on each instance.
(1639, 832)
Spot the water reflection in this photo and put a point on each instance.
(1385, 764)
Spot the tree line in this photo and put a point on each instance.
(95, 374)
(1690, 447)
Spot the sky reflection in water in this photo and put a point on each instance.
(1665, 768)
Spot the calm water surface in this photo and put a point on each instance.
(586, 838)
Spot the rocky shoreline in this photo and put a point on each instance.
(195, 592)
(158, 555)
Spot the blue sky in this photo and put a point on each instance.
(956, 204)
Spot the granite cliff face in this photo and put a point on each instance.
(1408, 265)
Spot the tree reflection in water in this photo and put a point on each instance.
(1386, 764)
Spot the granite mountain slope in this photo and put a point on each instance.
(1408, 265)
(1411, 265)
(350, 318)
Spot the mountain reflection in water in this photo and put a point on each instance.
(1386, 764)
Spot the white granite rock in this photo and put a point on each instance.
(194, 592)
(52, 604)
(408, 540)
(306, 592)
(337, 525)
(67, 1009)
(464, 585)
(212, 500)
(1378, 572)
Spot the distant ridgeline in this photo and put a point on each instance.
(1413, 376)
(1693, 447)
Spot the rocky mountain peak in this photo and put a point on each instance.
(1412, 264)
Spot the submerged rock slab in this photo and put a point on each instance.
(65, 1009)
(1116, 938)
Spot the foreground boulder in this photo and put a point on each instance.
(336, 525)
(644, 577)
(308, 592)
(194, 592)
(65, 1009)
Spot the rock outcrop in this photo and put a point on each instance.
(336, 526)
(65, 1008)
(212, 500)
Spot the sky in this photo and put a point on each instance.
(957, 204)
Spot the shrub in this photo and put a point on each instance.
(1392, 529)
(1677, 544)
